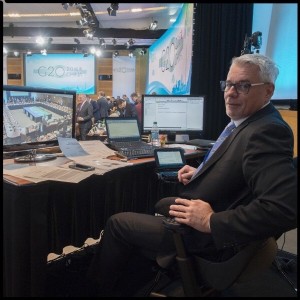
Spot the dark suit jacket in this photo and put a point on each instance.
(86, 112)
(130, 110)
(250, 182)
(103, 107)
(96, 111)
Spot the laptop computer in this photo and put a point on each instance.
(123, 135)
(168, 162)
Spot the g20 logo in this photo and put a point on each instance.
(57, 71)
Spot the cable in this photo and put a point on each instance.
(283, 242)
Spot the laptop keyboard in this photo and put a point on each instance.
(134, 149)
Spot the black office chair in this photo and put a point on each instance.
(202, 278)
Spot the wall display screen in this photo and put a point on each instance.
(36, 117)
(170, 57)
(66, 71)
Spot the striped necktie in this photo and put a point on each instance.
(225, 133)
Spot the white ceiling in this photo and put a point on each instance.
(41, 15)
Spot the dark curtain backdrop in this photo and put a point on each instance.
(219, 33)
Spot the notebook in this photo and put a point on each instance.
(168, 162)
(123, 135)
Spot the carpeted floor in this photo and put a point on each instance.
(66, 278)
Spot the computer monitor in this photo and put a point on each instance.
(34, 118)
(175, 115)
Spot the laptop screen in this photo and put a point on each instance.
(122, 129)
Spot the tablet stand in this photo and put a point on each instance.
(34, 157)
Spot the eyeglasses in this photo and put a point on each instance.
(240, 87)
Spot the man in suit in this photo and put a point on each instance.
(246, 190)
(138, 108)
(126, 109)
(84, 115)
(96, 112)
(103, 106)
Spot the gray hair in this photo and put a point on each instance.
(268, 69)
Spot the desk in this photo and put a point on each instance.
(45, 217)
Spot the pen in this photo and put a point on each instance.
(120, 155)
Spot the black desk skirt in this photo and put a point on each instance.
(42, 218)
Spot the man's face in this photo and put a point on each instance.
(241, 105)
(80, 98)
(122, 105)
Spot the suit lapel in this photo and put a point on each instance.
(220, 151)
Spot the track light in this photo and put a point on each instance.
(153, 25)
(66, 5)
(74, 50)
(98, 52)
(112, 10)
(40, 40)
(82, 22)
(102, 42)
(28, 53)
(89, 33)
(114, 42)
(88, 17)
(129, 43)
(5, 50)
(50, 40)
(143, 51)
(85, 53)
(44, 52)
(116, 53)
(76, 41)
(130, 54)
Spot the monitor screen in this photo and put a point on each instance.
(174, 114)
(36, 117)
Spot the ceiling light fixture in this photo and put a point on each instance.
(89, 33)
(85, 53)
(116, 53)
(82, 22)
(102, 42)
(153, 25)
(112, 10)
(28, 52)
(44, 52)
(88, 17)
(130, 54)
(98, 52)
(77, 41)
(66, 5)
(114, 42)
(143, 51)
(129, 43)
(40, 40)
